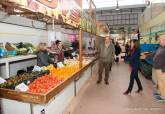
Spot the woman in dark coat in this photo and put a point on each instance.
(134, 61)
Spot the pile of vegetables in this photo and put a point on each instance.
(26, 78)
(43, 84)
(25, 48)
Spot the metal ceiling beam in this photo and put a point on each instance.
(21, 13)
(124, 7)
(129, 10)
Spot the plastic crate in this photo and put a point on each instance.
(12, 53)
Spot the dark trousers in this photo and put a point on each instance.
(110, 66)
(134, 75)
(104, 65)
(117, 59)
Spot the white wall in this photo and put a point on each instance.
(10, 31)
(15, 34)
(60, 33)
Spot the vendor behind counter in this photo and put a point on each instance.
(43, 58)
(57, 51)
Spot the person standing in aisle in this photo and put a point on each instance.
(117, 51)
(134, 61)
(159, 66)
(106, 51)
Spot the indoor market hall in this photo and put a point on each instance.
(82, 56)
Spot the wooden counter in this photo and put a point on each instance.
(42, 98)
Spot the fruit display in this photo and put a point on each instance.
(25, 48)
(26, 78)
(9, 46)
(64, 72)
(30, 47)
(22, 51)
(43, 84)
(13, 81)
(11, 50)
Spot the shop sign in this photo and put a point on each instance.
(68, 11)
(32, 5)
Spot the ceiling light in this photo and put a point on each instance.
(117, 7)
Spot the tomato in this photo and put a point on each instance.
(43, 84)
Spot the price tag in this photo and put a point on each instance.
(74, 58)
(37, 68)
(65, 61)
(60, 65)
(2, 80)
(21, 87)
(73, 54)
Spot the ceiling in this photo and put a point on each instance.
(125, 19)
(111, 3)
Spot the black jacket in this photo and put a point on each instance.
(43, 59)
(117, 50)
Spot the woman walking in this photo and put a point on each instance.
(134, 61)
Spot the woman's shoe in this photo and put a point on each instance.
(139, 90)
(126, 92)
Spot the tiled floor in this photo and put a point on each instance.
(103, 99)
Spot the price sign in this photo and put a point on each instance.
(21, 87)
(2, 80)
(60, 65)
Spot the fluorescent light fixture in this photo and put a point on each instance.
(117, 7)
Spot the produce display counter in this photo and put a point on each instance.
(9, 60)
(16, 58)
(58, 97)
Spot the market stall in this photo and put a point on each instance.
(49, 89)
(64, 89)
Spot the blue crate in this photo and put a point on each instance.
(12, 53)
(3, 53)
(149, 47)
